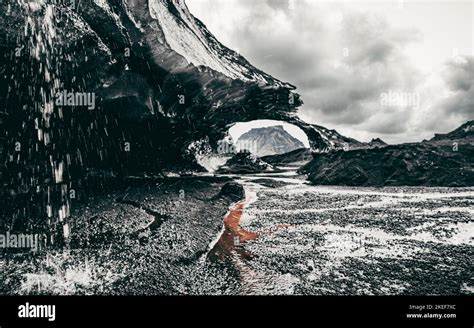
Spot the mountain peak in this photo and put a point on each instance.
(377, 142)
(269, 141)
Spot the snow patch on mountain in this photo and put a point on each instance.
(185, 38)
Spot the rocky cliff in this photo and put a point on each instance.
(443, 161)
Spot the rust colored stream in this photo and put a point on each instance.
(233, 235)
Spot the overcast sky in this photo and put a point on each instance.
(398, 70)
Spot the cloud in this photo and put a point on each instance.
(342, 61)
(459, 78)
(459, 73)
(448, 96)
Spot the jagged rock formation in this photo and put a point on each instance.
(376, 142)
(268, 141)
(440, 162)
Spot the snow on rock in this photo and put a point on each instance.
(189, 38)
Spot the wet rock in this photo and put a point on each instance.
(232, 190)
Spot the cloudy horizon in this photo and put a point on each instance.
(398, 70)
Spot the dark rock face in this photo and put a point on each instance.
(268, 141)
(437, 163)
(331, 139)
(232, 190)
(160, 79)
(242, 163)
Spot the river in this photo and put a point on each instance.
(289, 237)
